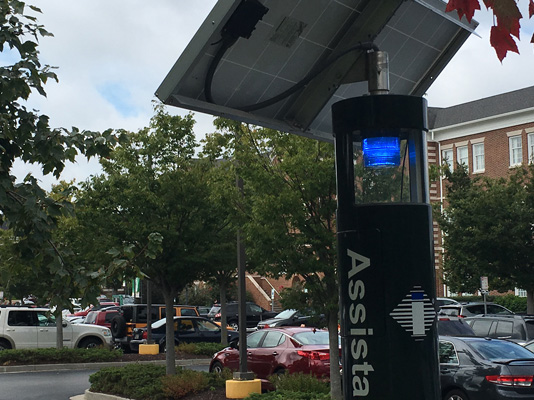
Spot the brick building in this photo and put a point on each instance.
(490, 136)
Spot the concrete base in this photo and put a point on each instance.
(148, 349)
(241, 389)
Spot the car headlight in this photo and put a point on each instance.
(106, 332)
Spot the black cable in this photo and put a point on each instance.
(366, 46)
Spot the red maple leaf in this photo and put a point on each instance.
(489, 3)
(463, 7)
(502, 41)
(508, 15)
(530, 8)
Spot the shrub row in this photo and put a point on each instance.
(53, 356)
(201, 348)
(149, 382)
(510, 301)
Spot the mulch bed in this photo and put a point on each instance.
(160, 356)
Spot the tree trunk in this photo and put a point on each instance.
(224, 325)
(170, 361)
(59, 330)
(336, 391)
(530, 302)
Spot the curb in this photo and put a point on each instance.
(64, 367)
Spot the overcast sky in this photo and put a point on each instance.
(112, 56)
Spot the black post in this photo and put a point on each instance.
(386, 262)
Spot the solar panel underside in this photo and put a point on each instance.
(293, 39)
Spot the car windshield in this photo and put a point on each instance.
(500, 350)
(312, 337)
(286, 314)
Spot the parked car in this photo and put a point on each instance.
(25, 328)
(454, 326)
(517, 328)
(133, 316)
(277, 350)
(291, 318)
(255, 314)
(214, 310)
(474, 368)
(203, 311)
(186, 330)
(102, 317)
(96, 307)
(472, 309)
(445, 301)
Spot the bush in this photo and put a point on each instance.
(135, 381)
(54, 356)
(288, 395)
(149, 382)
(184, 383)
(303, 383)
(512, 302)
(202, 348)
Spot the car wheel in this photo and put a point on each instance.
(234, 325)
(90, 343)
(163, 346)
(216, 367)
(4, 345)
(118, 326)
(455, 395)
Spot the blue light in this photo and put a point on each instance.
(381, 152)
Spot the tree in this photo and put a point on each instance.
(488, 231)
(152, 184)
(28, 211)
(287, 215)
(507, 16)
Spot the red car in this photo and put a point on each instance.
(277, 350)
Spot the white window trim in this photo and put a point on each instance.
(510, 150)
(530, 148)
(475, 169)
(458, 148)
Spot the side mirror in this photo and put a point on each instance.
(234, 344)
(64, 323)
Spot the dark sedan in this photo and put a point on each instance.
(291, 318)
(277, 350)
(186, 330)
(474, 368)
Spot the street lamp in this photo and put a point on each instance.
(386, 265)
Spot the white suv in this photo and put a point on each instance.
(25, 328)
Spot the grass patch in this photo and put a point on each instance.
(55, 356)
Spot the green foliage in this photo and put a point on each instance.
(288, 395)
(184, 383)
(303, 383)
(53, 356)
(488, 231)
(134, 381)
(31, 214)
(201, 348)
(512, 302)
(149, 382)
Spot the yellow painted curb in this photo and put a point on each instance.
(148, 349)
(241, 389)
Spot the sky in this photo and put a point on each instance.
(111, 56)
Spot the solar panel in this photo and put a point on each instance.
(296, 39)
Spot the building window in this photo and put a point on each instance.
(516, 151)
(478, 157)
(462, 156)
(447, 158)
(530, 137)
(520, 292)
